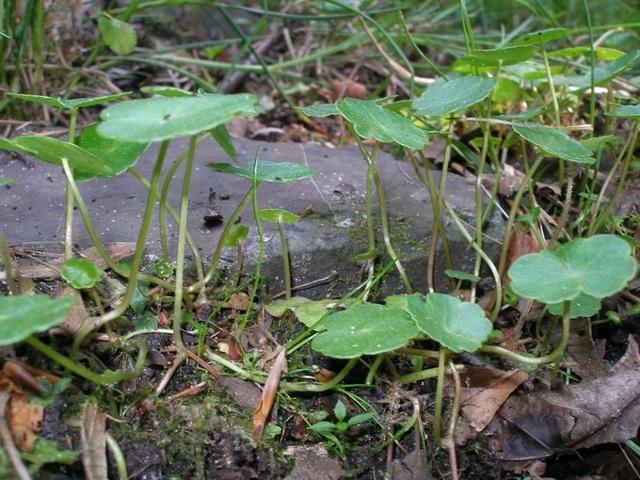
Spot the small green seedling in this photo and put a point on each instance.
(280, 217)
(334, 432)
(119, 36)
(80, 273)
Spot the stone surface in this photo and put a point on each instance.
(327, 239)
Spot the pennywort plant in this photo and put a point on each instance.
(113, 147)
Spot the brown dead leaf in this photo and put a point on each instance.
(93, 441)
(269, 392)
(24, 420)
(348, 88)
(602, 410)
(78, 316)
(581, 354)
(117, 251)
(484, 390)
(521, 243)
(239, 301)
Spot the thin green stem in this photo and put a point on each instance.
(437, 416)
(95, 238)
(163, 203)
(106, 378)
(182, 233)
(118, 456)
(552, 89)
(174, 215)
(210, 276)
(8, 267)
(68, 223)
(384, 224)
(256, 282)
(496, 276)
(513, 212)
(137, 256)
(285, 386)
(437, 210)
(549, 358)
(621, 181)
(286, 263)
(371, 234)
(374, 368)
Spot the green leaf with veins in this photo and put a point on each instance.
(277, 215)
(445, 97)
(371, 120)
(320, 110)
(53, 151)
(273, 172)
(364, 329)
(598, 266)
(24, 315)
(498, 56)
(80, 272)
(116, 154)
(459, 326)
(581, 306)
(119, 36)
(155, 119)
(555, 143)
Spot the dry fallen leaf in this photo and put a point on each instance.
(348, 88)
(239, 301)
(484, 390)
(521, 244)
(601, 410)
(269, 392)
(117, 251)
(23, 418)
(93, 441)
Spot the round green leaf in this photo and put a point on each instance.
(80, 272)
(460, 275)
(498, 56)
(53, 151)
(581, 306)
(118, 155)
(459, 326)
(598, 266)
(370, 120)
(237, 235)
(628, 111)
(364, 329)
(320, 110)
(277, 215)
(555, 143)
(541, 36)
(24, 315)
(445, 97)
(273, 172)
(119, 36)
(154, 119)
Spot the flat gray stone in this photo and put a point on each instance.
(325, 240)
